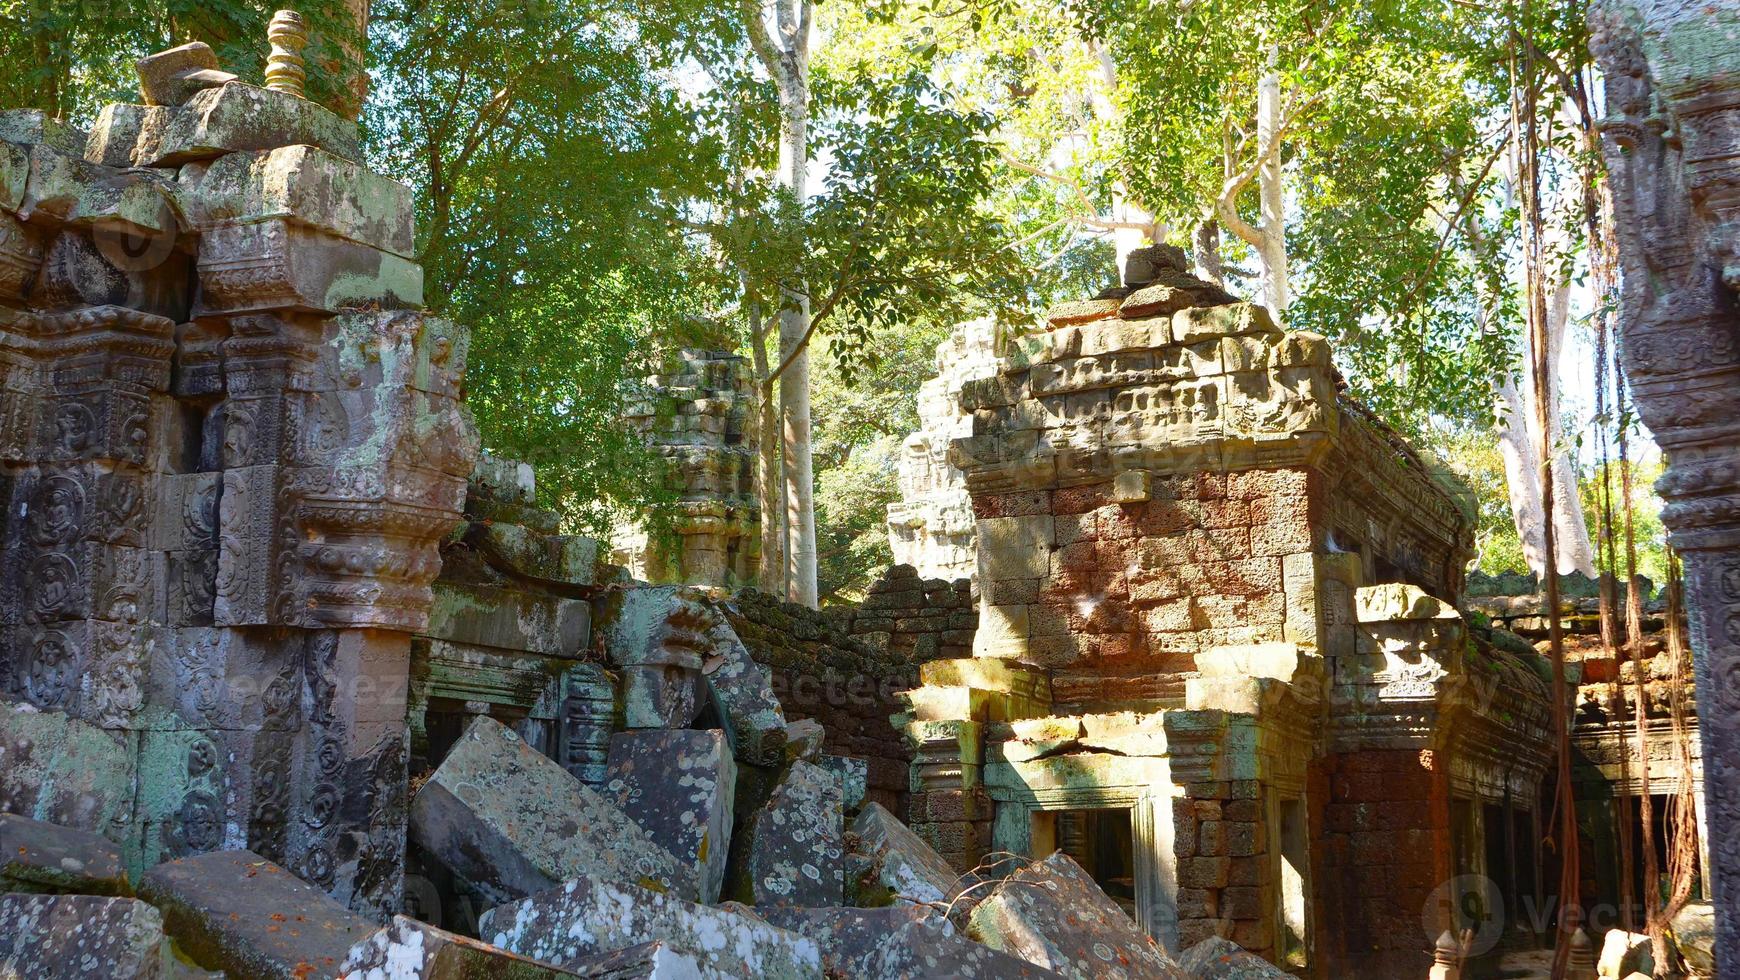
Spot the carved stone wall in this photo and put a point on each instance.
(1206, 583)
(1671, 73)
(229, 445)
(698, 414)
(932, 527)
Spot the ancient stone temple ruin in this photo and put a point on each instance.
(697, 413)
(1212, 661)
(931, 527)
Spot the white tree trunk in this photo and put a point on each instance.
(1272, 249)
(793, 24)
(1518, 438)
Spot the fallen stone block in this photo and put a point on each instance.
(900, 867)
(797, 841)
(1217, 958)
(511, 821)
(237, 912)
(42, 857)
(803, 739)
(238, 116)
(658, 636)
(743, 692)
(854, 778)
(851, 939)
(36, 126)
(76, 937)
(415, 950)
(678, 786)
(1694, 931)
(172, 77)
(1051, 913)
(645, 961)
(920, 951)
(586, 916)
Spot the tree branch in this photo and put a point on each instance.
(1092, 217)
(762, 42)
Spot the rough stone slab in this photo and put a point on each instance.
(854, 778)
(743, 692)
(41, 857)
(1624, 953)
(1695, 934)
(902, 868)
(512, 822)
(63, 771)
(659, 636)
(851, 939)
(173, 76)
(36, 126)
(275, 265)
(586, 916)
(643, 961)
(80, 937)
(803, 740)
(239, 117)
(415, 950)
(797, 845)
(14, 174)
(238, 912)
(308, 185)
(1051, 913)
(1217, 958)
(116, 133)
(919, 951)
(679, 787)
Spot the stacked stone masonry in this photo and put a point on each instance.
(1213, 624)
(698, 414)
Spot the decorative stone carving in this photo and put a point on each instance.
(698, 414)
(1672, 82)
(932, 528)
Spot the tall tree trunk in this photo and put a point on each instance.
(1208, 261)
(1273, 247)
(792, 65)
(772, 574)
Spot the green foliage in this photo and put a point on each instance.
(547, 151)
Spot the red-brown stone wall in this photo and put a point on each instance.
(1133, 591)
(1382, 848)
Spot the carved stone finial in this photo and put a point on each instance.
(285, 70)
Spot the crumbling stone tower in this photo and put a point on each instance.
(697, 414)
(1213, 641)
(230, 444)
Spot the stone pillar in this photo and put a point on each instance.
(233, 443)
(1672, 77)
(697, 415)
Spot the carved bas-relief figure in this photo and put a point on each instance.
(230, 443)
(1671, 139)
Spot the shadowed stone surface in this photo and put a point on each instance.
(678, 786)
(918, 951)
(62, 771)
(75, 937)
(586, 916)
(1051, 913)
(851, 939)
(797, 846)
(1216, 958)
(512, 821)
(41, 857)
(901, 866)
(658, 637)
(410, 950)
(238, 116)
(238, 912)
